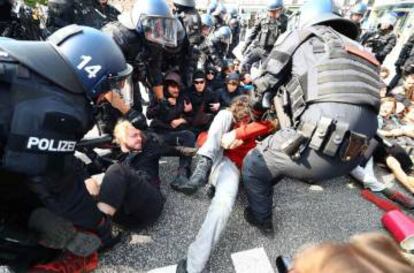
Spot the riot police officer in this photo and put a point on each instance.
(109, 11)
(219, 14)
(405, 60)
(190, 18)
(264, 35)
(83, 12)
(17, 21)
(66, 77)
(383, 40)
(328, 86)
(235, 28)
(216, 47)
(144, 34)
(357, 14)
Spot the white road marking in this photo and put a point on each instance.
(167, 269)
(252, 261)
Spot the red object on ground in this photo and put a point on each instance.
(68, 263)
(401, 227)
(382, 203)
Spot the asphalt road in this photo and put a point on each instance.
(302, 214)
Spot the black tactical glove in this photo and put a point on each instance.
(137, 119)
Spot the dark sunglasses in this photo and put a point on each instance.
(211, 72)
(199, 82)
(233, 83)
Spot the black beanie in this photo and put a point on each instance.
(199, 74)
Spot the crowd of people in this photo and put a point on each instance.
(320, 108)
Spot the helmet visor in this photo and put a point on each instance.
(160, 30)
(122, 85)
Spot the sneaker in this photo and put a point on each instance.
(182, 266)
(68, 263)
(399, 197)
(265, 227)
(58, 233)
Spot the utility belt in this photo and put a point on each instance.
(332, 138)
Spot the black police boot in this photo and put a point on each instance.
(182, 266)
(265, 227)
(58, 233)
(199, 177)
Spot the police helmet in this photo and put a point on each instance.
(232, 12)
(325, 12)
(388, 20)
(220, 11)
(360, 8)
(99, 68)
(207, 20)
(223, 34)
(185, 3)
(274, 5)
(181, 35)
(154, 20)
(212, 6)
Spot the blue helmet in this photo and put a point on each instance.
(223, 34)
(325, 12)
(360, 8)
(94, 56)
(207, 20)
(274, 4)
(220, 11)
(232, 12)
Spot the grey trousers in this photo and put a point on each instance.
(225, 176)
(264, 166)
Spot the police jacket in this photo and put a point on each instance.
(380, 42)
(318, 64)
(214, 50)
(235, 38)
(190, 18)
(406, 52)
(146, 59)
(109, 11)
(162, 113)
(41, 121)
(265, 33)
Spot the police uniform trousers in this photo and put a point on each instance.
(264, 166)
(225, 177)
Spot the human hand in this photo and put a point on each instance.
(214, 107)
(172, 101)
(177, 122)
(227, 139)
(188, 107)
(92, 186)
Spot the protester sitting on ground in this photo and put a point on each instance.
(231, 90)
(171, 118)
(396, 151)
(405, 92)
(365, 253)
(204, 101)
(231, 136)
(130, 190)
(246, 83)
(213, 81)
(384, 73)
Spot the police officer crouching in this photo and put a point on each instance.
(48, 91)
(328, 87)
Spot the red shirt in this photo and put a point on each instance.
(246, 132)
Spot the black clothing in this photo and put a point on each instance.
(201, 101)
(225, 97)
(162, 113)
(110, 12)
(132, 185)
(381, 42)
